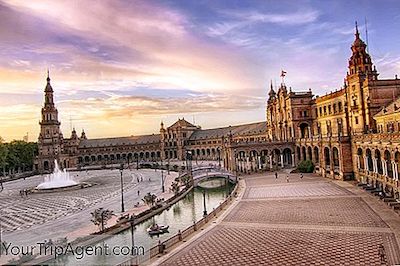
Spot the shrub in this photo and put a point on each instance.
(306, 166)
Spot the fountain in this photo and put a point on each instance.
(57, 179)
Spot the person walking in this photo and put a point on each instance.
(276, 175)
(287, 178)
(301, 176)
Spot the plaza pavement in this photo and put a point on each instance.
(27, 221)
(309, 221)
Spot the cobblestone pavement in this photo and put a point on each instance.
(22, 212)
(331, 211)
(314, 222)
(53, 215)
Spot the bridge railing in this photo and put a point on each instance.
(180, 236)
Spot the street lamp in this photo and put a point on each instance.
(132, 222)
(162, 178)
(189, 165)
(121, 169)
(219, 157)
(204, 203)
(137, 161)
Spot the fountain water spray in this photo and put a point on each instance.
(57, 179)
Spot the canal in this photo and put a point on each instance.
(179, 216)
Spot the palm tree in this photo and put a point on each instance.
(100, 217)
(150, 199)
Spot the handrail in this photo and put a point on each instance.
(159, 249)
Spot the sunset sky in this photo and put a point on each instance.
(120, 67)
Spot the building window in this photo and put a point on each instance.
(340, 107)
(334, 108)
(329, 109)
(324, 110)
(356, 120)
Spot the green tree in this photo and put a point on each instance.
(20, 155)
(100, 217)
(150, 199)
(306, 166)
(3, 156)
(175, 187)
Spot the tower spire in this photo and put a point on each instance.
(357, 33)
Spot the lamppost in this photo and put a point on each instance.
(189, 165)
(137, 161)
(132, 222)
(1, 185)
(162, 178)
(121, 169)
(219, 157)
(204, 203)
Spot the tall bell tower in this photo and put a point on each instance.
(360, 71)
(50, 140)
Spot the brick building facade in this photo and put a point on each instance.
(350, 133)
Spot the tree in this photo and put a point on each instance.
(306, 166)
(150, 199)
(100, 217)
(175, 187)
(19, 155)
(3, 156)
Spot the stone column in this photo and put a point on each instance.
(393, 169)
(366, 166)
(270, 161)
(282, 160)
(358, 162)
(384, 166)
(375, 165)
(259, 162)
(293, 164)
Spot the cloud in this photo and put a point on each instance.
(138, 42)
(130, 106)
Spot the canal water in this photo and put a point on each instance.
(179, 216)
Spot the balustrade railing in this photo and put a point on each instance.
(180, 236)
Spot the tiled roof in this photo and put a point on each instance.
(393, 107)
(181, 123)
(242, 130)
(86, 143)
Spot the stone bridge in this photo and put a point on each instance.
(205, 172)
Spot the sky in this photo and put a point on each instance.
(119, 68)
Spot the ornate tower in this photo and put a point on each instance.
(50, 140)
(360, 72)
(162, 140)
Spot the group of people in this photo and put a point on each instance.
(287, 176)
(23, 193)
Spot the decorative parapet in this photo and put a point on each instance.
(378, 137)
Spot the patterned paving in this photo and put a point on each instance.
(21, 213)
(238, 246)
(307, 222)
(295, 190)
(332, 212)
